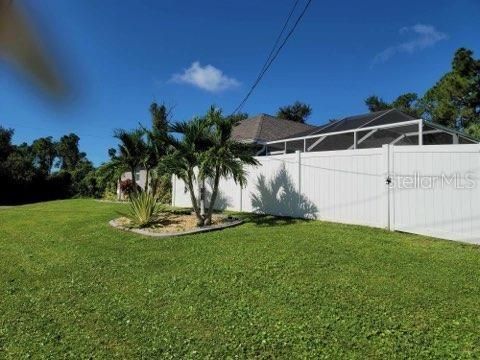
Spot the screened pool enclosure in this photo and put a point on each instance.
(362, 134)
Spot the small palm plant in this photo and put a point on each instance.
(144, 210)
(132, 150)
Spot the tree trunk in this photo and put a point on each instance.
(154, 184)
(146, 180)
(202, 198)
(216, 182)
(193, 199)
(134, 182)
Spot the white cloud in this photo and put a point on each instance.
(422, 36)
(207, 78)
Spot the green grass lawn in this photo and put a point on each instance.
(71, 286)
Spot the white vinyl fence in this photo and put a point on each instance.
(432, 190)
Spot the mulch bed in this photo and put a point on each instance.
(176, 224)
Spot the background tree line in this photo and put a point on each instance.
(47, 169)
(453, 101)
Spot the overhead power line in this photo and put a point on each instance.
(279, 37)
(274, 53)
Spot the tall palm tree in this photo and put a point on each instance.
(226, 157)
(206, 150)
(111, 172)
(155, 147)
(132, 150)
(185, 155)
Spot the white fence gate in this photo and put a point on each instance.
(432, 190)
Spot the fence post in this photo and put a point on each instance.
(298, 153)
(387, 182)
(388, 153)
(391, 193)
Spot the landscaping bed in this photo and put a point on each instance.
(176, 224)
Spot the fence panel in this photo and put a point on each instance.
(347, 186)
(271, 186)
(436, 191)
(344, 186)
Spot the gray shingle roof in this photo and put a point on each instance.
(263, 127)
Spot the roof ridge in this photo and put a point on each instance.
(260, 115)
(292, 121)
(259, 127)
(263, 116)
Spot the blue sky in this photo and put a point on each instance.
(122, 55)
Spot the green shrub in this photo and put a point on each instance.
(109, 194)
(181, 211)
(144, 210)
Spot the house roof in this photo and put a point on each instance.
(396, 128)
(263, 127)
(383, 117)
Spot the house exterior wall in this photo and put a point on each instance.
(433, 190)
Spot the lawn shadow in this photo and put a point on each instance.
(279, 197)
(268, 220)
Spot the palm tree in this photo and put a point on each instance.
(226, 157)
(185, 154)
(298, 112)
(132, 150)
(206, 150)
(110, 173)
(155, 147)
